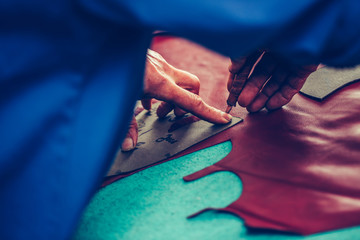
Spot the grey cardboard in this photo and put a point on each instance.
(326, 80)
(156, 143)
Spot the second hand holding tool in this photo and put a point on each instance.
(240, 78)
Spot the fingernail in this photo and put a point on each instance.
(227, 116)
(127, 145)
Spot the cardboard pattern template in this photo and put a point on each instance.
(158, 142)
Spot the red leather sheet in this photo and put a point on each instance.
(300, 165)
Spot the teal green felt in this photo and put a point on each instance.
(154, 204)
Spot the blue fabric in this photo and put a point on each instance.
(307, 31)
(70, 72)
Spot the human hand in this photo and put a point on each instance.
(177, 89)
(271, 84)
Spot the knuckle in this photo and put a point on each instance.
(133, 123)
(254, 83)
(196, 83)
(133, 126)
(267, 92)
(239, 82)
(196, 101)
(287, 93)
(294, 86)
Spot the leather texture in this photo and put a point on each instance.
(300, 165)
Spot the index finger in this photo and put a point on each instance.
(195, 105)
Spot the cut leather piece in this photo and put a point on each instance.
(300, 165)
(160, 139)
(326, 80)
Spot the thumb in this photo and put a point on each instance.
(131, 138)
